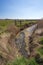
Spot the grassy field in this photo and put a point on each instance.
(19, 23)
(16, 22)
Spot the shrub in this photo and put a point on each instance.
(41, 40)
(41, 50)
(38, 59)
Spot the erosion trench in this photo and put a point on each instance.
(22, 43)
(24, 40)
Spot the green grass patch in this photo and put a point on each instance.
(23, 61)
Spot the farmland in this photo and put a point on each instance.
(19, 23)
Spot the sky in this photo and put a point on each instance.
(21, 9)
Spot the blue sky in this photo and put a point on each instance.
(21, 9)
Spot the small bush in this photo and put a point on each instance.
(41, 40)
(38, 59)
(41, 50)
